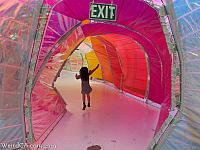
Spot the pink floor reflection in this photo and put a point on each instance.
(114, 121)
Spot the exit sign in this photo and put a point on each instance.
(103, 11)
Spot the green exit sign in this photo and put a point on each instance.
(103, 11)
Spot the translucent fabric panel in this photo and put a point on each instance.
(113, 61)
(185, 132)
(11, 117)
(50, 2)
(12, 79)
(93, 61)
(13, 137)
(68, 45)
(49, 72)
(46, 101)
(59, 56)
(18, 22)
(101, 54)
(10, 100)
(75, 61)
(47, 106)
(135, 75)
(132, 62)
(56, 27)
(10, 46)
(158, 2)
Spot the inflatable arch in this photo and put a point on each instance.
(139, 53)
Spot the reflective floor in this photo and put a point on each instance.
(113, 122)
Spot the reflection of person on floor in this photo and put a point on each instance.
(85, 85)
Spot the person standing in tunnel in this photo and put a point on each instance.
(85, 84)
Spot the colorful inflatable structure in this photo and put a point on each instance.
(143, 47)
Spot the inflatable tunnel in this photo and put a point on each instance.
(147, 51)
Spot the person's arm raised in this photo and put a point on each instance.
(91, 71)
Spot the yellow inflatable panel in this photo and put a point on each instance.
(93, 61)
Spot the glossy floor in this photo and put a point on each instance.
(113, 122)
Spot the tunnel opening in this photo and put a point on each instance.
(125, 67)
